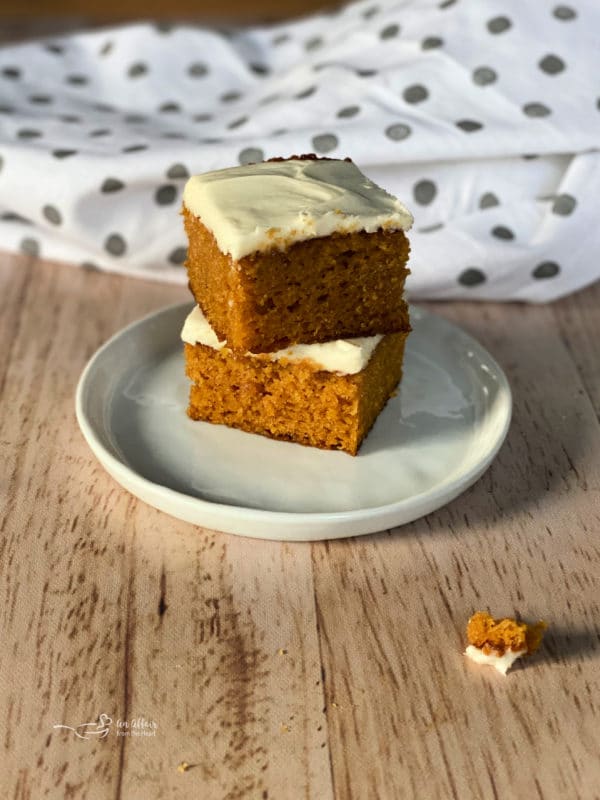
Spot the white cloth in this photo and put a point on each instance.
(482, 116)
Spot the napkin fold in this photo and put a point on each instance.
(483, 117)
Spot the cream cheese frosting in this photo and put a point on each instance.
(273, 204)
(344, 356)
(501, 663)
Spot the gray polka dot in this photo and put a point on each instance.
(551, 64)
(69, 118)
(281, 38)
(105, 108)
(55, 49)
(29, 133)
(502, 232)
(471, 277)
(536, 110)
(134, 148)
(431, 42)
(415, 94)
(488, 200)
(325, 142)
(12, 73)
(564, 204)
(564, 13)
(237, 123)
(115, 244)
(77, 80)
(483, 76)
(173, 135)
(137, 70)
(40, 99)
(306, 93)
(251, 155)
(529, 156)
(197, 70)
(259, 69)
(469, 125)
(431, 228)
(398, 131)
(366, 73)
(135, 119)
(178, 255)
(164, 27)
(89, 266)
(52, 214)
(446, 3)
(348, 111)
(112, 185)
(314, 43)
(230, 97)
(280, 131)
(166, 194)
(63, 153)
(100, 132)
(370, 12)
(547, 269)
(178, 171)
(390, 31)
(10, 216)
(106, 48)
(499, 24)
(270, 98)
(30, 247)
(424, 192)
(170, 108)
(4, 109)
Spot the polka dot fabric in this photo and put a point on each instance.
(483, 117)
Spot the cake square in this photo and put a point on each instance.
(321, 395)
(295, 250)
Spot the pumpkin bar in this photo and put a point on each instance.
(322, 395)
(295, 250)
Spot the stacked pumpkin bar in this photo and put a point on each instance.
(297, 267)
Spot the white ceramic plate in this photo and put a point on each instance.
(430, 443)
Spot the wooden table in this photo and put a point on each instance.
(288, 671)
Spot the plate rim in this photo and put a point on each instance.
(444, 492)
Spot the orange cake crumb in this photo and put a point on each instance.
(499, 642)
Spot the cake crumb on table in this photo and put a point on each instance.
(183, 766)
(500, 642)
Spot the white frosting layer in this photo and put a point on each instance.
(344, 356)
(502, 663)
(276, 203)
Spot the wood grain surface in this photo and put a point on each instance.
(289, 671)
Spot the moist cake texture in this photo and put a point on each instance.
(499, 642)
(290, 395)
(298, 250)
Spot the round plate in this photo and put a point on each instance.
(432, 441)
